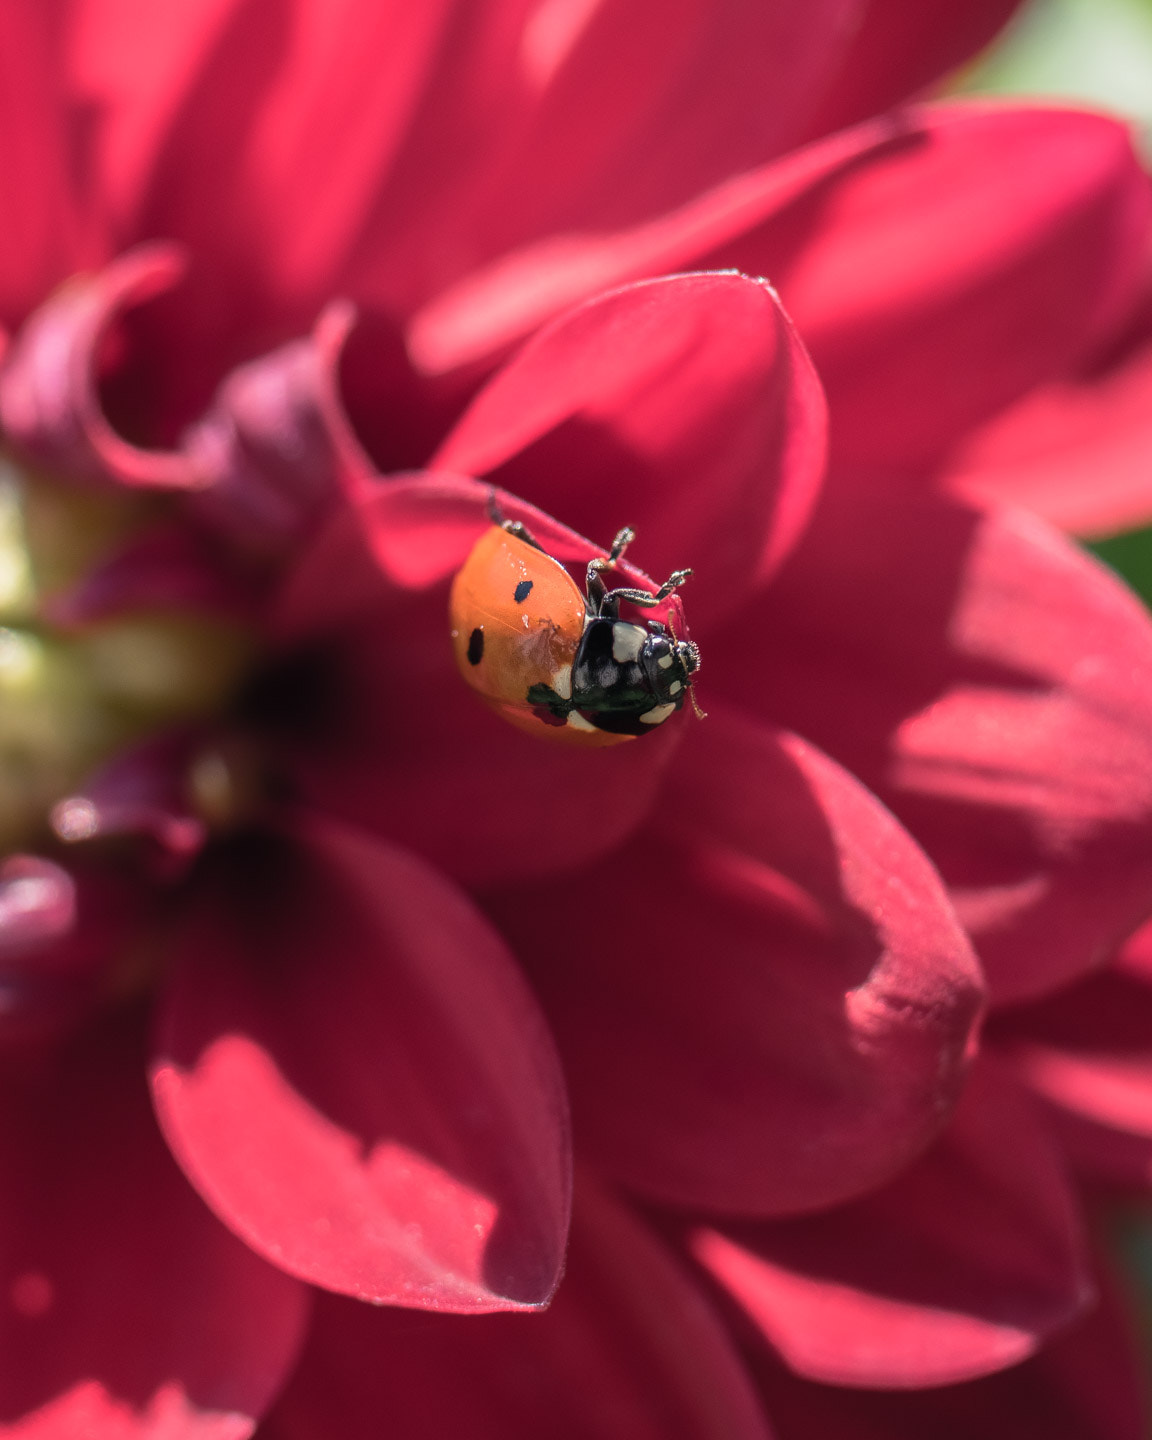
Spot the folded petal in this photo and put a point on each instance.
(764, 1003)
(673, 406)
(628, 1350)
(352, 1073)
(993, 685)
(50, 400)
(1088, 1053)
(1086, 1384)
(965, 1264)
(1076, 451)
(131, 1312)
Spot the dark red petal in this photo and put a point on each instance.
(764, 1003)
(129, 1311)
(353, 1074)
(1088, 1053)
(673, 406)
(1084, 1385)
(993, 685)
(1075, 451)
(953, 272)
(628, 1351)
(43, 237)
(900, 48)
(49, 396)
(963, 1265)
(273, 444)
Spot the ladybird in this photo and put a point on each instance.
(555, 662)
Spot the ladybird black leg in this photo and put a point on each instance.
(513, 527)
(641, 597)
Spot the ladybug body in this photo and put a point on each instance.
(555, 662)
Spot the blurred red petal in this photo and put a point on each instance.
(993, 685)
(353, 1074)
(963, 1265)
(1075, 451)
(1088, 1052)
(900, 47)
(764, 1004)
(672, 406)
(628, 1350)
(1084, 1385)
(45, 235)
(944, 277)
(50, 399)
(130, 1311)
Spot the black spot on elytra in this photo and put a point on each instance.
(520, 594)
(476, 646)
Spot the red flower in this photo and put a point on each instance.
(365, 939)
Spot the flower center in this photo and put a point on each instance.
(81, 675)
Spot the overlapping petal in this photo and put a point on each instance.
(1086, 1052)
(991, 684)
(671, 406)
(964, 1265)
(768, 1003)
(1083, 1385)
(629, 1350)
(130, 1311)
(352, 1073)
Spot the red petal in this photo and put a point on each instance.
(953, 272)
(43, 237)
(764, 1004)
(49, 396)
(130, 1311)
(993, 685)
(674, 406)
(1075, 451)
(354, 1076)
(1084, 1385)
(627, 1351)
(1088, 1052)
(900, 48)
(963, 1265)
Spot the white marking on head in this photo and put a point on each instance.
(578, 722)
(664, 662)
(627, 642)
(657, 715)
(675, 688)
(562, 682)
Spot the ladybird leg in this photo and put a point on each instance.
(594, 587)
(513, 527)
(641, 597)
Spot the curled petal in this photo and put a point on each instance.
(1086, 1052)
(1085, 1384)
(628, 1350)
(672, 406)
(352, 1073)
(274, 443)
(129, 1310)
(49, 396)
(766, 1004)
(963, 1265)
(993, 685)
